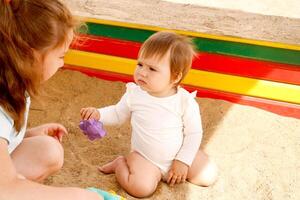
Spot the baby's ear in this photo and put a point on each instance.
(178, 78)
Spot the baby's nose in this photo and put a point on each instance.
(143, 72)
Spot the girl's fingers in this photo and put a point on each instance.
(57, 131)
(55, 137)
(62, 130)
(60, 136)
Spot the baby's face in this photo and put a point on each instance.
(153, 75)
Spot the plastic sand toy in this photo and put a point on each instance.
(92, 128)
(111, 195)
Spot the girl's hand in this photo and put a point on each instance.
(51, 129)
(89, 113)
(177, 173)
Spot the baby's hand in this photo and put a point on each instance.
(89, 113)
(177, 173)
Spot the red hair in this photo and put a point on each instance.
(27, 26)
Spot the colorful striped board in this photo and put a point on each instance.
(258, 73)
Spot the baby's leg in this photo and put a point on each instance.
(203, 171)
(38, 157)
(138, 176)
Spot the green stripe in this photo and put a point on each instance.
(117, 32)
(203, 44)
(248, 51)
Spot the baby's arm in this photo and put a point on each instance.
(116, 114)
(191, 142)
(192, 133)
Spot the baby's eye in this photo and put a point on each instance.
(152, 69)
(139, 65)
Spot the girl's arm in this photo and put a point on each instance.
(14, 188)
(52, 129)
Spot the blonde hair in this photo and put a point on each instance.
(27, 26)
(181, 51)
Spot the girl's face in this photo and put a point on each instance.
(153, 75)
(54, 59)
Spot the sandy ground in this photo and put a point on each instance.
(195, 18)
(257, 151)
(288, 8)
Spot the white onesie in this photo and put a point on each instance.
(163, 129)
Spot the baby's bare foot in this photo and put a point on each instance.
(111, 166)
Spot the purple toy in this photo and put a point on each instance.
(93, 129)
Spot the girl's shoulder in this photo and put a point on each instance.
(4, 117)
(6, 124)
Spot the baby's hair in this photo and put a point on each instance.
(181, 51)
(26, 27)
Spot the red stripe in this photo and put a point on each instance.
(101, 74)
(248, 68)
(204, 61)
(281, 108)
(109, 46)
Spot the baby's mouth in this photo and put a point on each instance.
(141, 82)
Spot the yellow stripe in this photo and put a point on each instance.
(223, 82)
(100, 61)
(195, 34)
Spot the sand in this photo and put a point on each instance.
(195, 18)
(257, 152)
